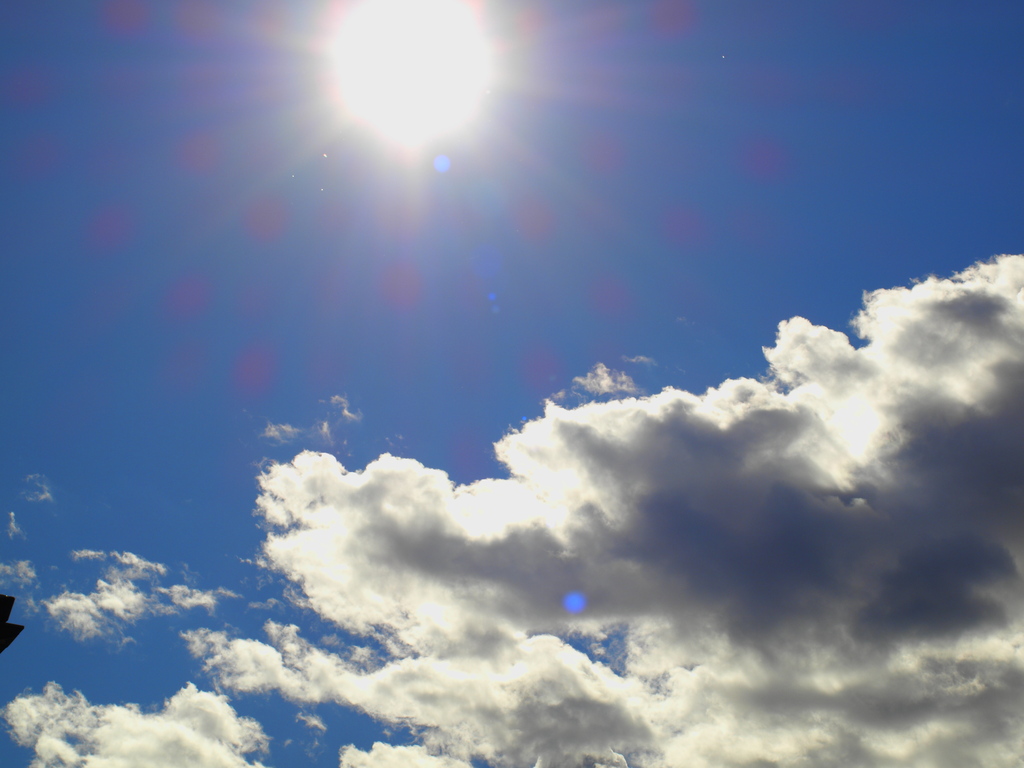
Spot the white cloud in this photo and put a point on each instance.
(342, 404)
(194, 728)
(281, 433)
(185, 597)
(102, 611)
(118, 600)
(387, 756)
(508, 699)
(640, 359)
(311, 721)
(88, 554)
(40, 490)
(135, 567)
(322, 430)
(13, 530)
(818, 568)
(20, 573)
(604, 381)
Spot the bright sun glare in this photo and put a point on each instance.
(413, 69)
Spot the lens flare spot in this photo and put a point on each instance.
(672, 18)
(401, 286)
(38, 157)
(603, 152)
(541, 370)
(610, 297)
(765, 159)
(188, 298)
(27, 88)
(111, 228)
(574, 602)
(530, 22)
(442, 164)
(199, 153)
(685, 226)
(254, 370)
(125, 17)
(197, 19)
(266, 219)
(535, 220)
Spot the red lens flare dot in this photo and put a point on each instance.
(401, 286)
(188, 298)
(764, 159)
(535, 220)
(39, 156)
(541, 371)
(199, 152)
(197, 19)
(685, 226)
(266, 219)
(672, 18)
(603, 152)
(27, 87)
(110, 228)
(124, 17)
(610, 297)
(254, 370)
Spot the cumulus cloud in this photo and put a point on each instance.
(602, 380)
(20, 573)
(39, 490)
(815, 568)
(118, 599)
(194, 728)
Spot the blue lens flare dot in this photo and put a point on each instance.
(442, 163)
(574, 602)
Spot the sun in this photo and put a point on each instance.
(412, 69)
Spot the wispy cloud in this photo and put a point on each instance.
(88, 554)
(311, 721)
(322, 430)
(39, 490)
(813, 568)
(120, 600)
(13, 530)
(640, 360)
(341, 404)
(281, 433)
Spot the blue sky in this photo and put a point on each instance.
(210, 268)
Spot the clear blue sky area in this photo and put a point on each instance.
(208, 268)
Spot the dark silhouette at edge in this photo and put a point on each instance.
(8, 631)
